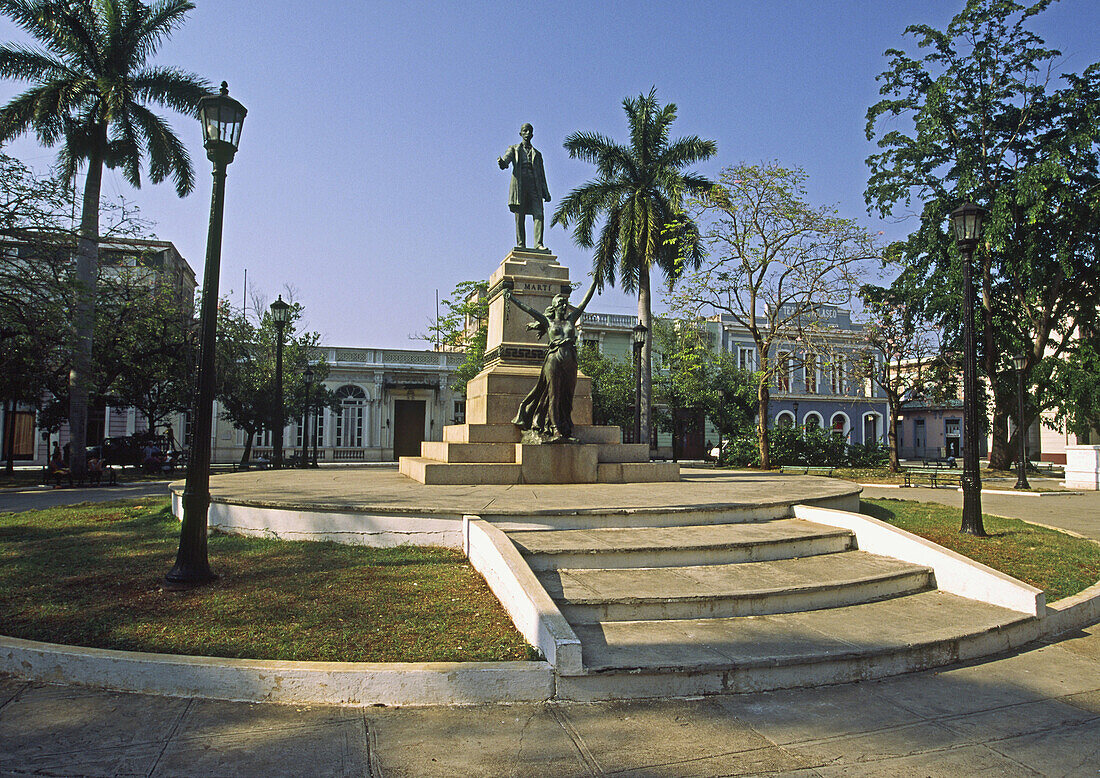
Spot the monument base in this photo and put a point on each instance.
(489, 449)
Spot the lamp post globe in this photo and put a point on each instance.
(222, 119)
(280, 314)
(966, 222)
(638, 337)
(1020, 361)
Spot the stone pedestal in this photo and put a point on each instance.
(487, 448)
(1083, 467)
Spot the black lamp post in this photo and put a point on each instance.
(308, 375)
(280, 314)
(222, 119)
(967, 223)
(638, 333)
(317, 410)
(1021, 430)
(795, 406)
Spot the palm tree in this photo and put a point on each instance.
(90, 86)
(639, 190)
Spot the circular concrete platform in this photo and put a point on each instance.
(379, 506)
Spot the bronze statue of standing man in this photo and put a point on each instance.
(528, 189)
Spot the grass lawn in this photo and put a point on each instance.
(1057, 563)
(90, 575)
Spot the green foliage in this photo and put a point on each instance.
(91, 83)
(463, 326)
(695, 375)
(612, 387)
(1077, 381)
(246, 358)
(976, 116)
(806, 446)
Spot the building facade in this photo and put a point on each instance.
(391, 400)
(816, 384)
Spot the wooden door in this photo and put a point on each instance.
(408, 427)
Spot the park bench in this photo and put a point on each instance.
(806, 470)
(938, 463)
(258, 464)
(934, 475)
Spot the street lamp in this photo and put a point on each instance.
(638, 335)
(1021, 430)
(308, 375)
(280, 314)
(222, 118)
(966, 220)
(795, 406)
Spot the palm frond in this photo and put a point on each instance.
(26, 64)
(171, 87)
(167, 154)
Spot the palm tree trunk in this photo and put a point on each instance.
(645, 318)
(87, 269)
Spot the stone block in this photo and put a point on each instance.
(445, 451)
(481, 433)
(557, 463)
(622, 452)
(431, 472)
(1083, 467)
(587, 433)
(638, 472)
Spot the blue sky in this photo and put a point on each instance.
(367, 178)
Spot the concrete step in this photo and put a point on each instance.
(431, 471)
(634, 659)
(720, 591)
(678, 546)
(446, 451)
(625, 518)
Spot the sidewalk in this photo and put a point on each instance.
(1074, 511)
(1035, 712)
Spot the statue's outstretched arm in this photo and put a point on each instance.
(579, 310)
(536, 315)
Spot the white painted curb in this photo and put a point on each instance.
(532, 610)
(260, 680)
(955, 573)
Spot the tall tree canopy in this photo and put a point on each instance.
(91, 83)
(775, 259)
(639, 192)
(979, 115)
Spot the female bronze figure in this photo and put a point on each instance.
(548, 408)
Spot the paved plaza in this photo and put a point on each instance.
(1035, 712)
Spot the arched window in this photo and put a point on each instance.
(785, 419)
(812, 422)
(349, 421)
(839, 425)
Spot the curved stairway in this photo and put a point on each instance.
(712, 608)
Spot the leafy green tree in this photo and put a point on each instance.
(977, 115)
(694, 375)
(612, 387)
(774, 260)
(246, 371)
(1077, 381)
(900, 351)
(90, 86)
(34, 284)
(639, 191)
(463, 326)
(149, 362)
